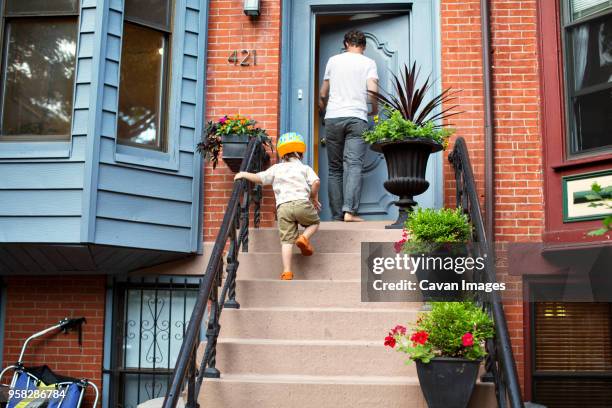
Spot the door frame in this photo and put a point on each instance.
(427, 20)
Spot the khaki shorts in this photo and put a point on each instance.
(293, 213)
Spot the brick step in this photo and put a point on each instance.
(308, 293)
(312, 323)
(320, 266)
(284, 391)
(308, 357)
(328, 239)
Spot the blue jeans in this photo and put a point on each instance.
(346, 152)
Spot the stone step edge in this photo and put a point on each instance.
(316, 379)
(290, 309)
(298, 342)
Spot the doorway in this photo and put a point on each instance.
(315, 33)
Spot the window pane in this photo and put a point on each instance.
(41, 6)
(156, 12)
(592, 53)
(592, 121)
(142, 87)
(38, 78)
(581, 8)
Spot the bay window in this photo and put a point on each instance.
(144, 74)
(588, 56)
(38, 70)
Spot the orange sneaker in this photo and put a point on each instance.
(304, 245)
(287, 275)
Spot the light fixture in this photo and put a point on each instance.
(251, 8)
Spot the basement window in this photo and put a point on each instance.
(38, 70)
(143, 87)
(588, 55)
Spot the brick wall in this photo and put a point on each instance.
(251, 91)
(519, 211)
(35, 303)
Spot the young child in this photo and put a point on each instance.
(296, 189)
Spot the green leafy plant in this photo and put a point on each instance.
(450, 329)
(397, 128)
(601, 197)
(212, 141)
(411, 115)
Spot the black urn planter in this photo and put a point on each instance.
(406, 166)
(234, 148)
(448, 382)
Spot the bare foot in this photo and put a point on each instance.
(348, 217)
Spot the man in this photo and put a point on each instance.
(344, 99)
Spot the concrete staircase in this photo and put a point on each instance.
(311, 342)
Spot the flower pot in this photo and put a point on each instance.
(406, 166)
(437, 276)
(234, 148)
(448, 382)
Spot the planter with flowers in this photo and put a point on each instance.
(230, 136)
(448, 346)
(441, 233)
(408, 135)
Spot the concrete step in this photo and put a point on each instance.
(320, 266)
(312, 323)
(328, 239)
(309, 357)
(286, 391)
(309, 293)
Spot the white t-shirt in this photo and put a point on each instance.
(291, 180)
(348, 74)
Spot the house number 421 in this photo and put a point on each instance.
(243, 57)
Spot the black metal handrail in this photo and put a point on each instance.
(500, 362)
(188, 376)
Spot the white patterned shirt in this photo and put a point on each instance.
(291, 180)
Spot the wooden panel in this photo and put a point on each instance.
(138, 235)
(144, 183)
(40, 229)
(107, 156)
(143, 209)
(40, 203)
(42, 176)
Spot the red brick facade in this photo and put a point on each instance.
(35, 303)
(252, 91)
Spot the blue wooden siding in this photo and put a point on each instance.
(40, 198)
(96, 195)
(139, 203)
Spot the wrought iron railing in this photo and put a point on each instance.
(233, 235)
(500, 364)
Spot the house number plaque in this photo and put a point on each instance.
(243, 57)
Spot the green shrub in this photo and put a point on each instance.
(438, 226)
(396, 128)
(451, 329)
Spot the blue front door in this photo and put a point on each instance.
(396, 33)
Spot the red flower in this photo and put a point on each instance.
(399, 329)
(399, 245)
(467, 340)
(420, 337)
(390, 341)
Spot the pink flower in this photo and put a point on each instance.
(223, 120)
(467, 340)
(399, 329)
(399, 245)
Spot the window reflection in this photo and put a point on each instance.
(38, 76)
(142, 87)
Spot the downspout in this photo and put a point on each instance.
(489, 143)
